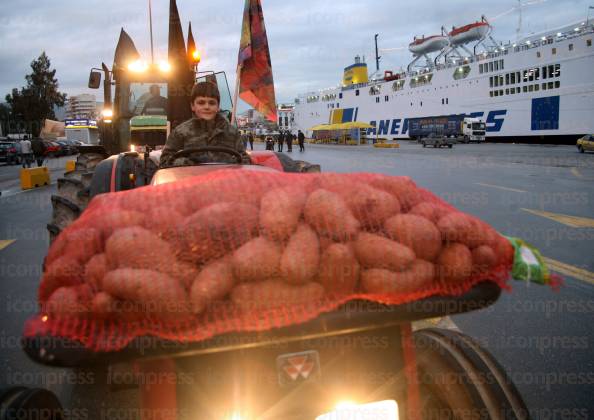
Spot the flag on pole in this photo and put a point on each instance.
(126, 51)
(180, 85)
(256, 85)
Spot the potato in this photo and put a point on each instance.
(339, 269)
(301, 258)
(95, 269)
(216, 230)
(163, 221)
(483, 258)
(274, 293)
(214, 282)
(430, 211)
(280, 211)
(110, 220)
(156, 293)
(137, 247)
(372, 206)
(63, 272)
(105, 306)
(503, 249)
(417, 278)
(64, 301)
(258, 259)
(186, 273)
(459, 227)
(374, 251)
(417, 233)
(329, 215)
(454, 263)
(403, 188)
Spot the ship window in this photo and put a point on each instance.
(501, 80)
(501, 65)
(398, 85)
(491, 66)
(496, 66)
(496, 81)
(570, 47)
(525, 89)
(518, 89)
(551, 85)
(536, 87)
(447, 101)
(557, 84)
(461, 72)
(512, 91)
(480, 68)
(537, 54)
(386, 98)
(512, 78)
(496, 93)
(340, 95)
(557, 70)
(491, 81)
(501, 92)
(544, 86)
(337, 105)
(507, 91)
(588, 42)
(531, 88)
(491, 94)
(554, 51)
(544, 72)
(377, 100)
(507, 79)
(551, 71)
(357, 92)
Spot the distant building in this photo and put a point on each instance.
(286, 116)
(82, 106)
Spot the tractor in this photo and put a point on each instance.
(131, 133)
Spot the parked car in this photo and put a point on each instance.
(52, 149)
(437, 140)
(67, 147)
(586, 143)
(9, 153)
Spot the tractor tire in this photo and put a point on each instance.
(73, 193)
(29, 404)
(457, 376)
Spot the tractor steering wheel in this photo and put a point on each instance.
(188, 152)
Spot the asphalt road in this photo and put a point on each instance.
(543, 338)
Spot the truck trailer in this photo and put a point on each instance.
(460, 127)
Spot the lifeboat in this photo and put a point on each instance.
(428, 44)
(469, 33)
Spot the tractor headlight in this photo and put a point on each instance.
(138, 66)
(379, 410)
(164, 67)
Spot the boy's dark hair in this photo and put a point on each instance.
(206, 89)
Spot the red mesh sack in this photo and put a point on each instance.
(247, 250)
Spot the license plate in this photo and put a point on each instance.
(294, 368)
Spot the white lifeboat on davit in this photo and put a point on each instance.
(469, 33)
(428, 44)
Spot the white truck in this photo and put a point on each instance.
(459, 127)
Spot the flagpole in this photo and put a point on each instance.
(236, 95)
(151, 30)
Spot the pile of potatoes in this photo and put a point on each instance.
(323, 236)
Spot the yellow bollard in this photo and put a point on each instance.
(70, 165)
(34, 177)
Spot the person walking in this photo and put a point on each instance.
(289, 139)
(38, 147)
(280, 141)
(301, 139)
(251, 140)
(26, 152)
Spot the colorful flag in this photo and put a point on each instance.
(181, 78)
(126, 51)
(256, 85)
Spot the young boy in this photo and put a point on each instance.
(207, 127)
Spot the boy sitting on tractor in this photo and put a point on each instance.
(207, 127)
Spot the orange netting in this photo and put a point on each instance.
(241, 250)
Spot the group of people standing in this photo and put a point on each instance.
(288, 138)
(30, 150)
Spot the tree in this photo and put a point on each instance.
(35, 102)
(4, 119)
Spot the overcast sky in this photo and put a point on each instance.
(311, 41)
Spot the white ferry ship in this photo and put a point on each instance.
(539, 89)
